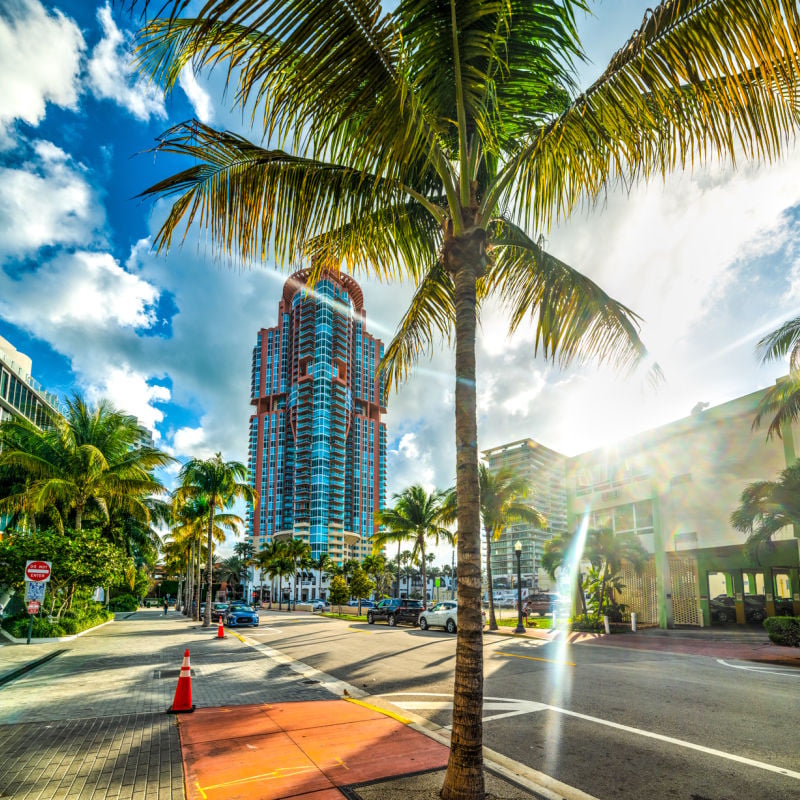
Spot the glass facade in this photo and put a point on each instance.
(317, 442)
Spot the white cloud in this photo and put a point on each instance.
(40, 56)
(197, 95)
(112, 75)
(46, 200)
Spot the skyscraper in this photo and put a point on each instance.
(317, 450)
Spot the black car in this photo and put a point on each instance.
(240, 614)
(394, 610)
(723, 608)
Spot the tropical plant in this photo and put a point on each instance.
(298, 551)
(320, 563)
(340, 592)
(610, 550)
(220, 483)
(559, 549)
(431, 141)
(769, 506)
(360, 586)
(276, 561)
(376, 567)
(90, 461)
(416, 516)
(502, 495)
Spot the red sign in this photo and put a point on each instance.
(33, 606)
(37, 571)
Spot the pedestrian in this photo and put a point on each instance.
(166, 606)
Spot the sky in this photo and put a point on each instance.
(708, 259)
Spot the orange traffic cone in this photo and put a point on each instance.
(220, 631)
(182, 703)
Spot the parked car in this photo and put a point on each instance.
(442, 615)
(394, 610)
(723, 608)
(239, 614)
(364, 603)
(541, 603)
(218, 608)
(320, 605)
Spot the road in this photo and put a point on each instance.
(613, 722)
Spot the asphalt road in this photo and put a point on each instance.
(615, 723)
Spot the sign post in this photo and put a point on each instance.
(37, 573)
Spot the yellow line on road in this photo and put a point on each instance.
(240, 638)
(378, 709)
(534, 658)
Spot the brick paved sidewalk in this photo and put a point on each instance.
(91, 723)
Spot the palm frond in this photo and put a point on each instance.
(430, 314)
(778, 343)
(574, 319)
(782, 403)
(699, 79)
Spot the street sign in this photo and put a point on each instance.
(33, 606)
(37, 570)
(34, 590)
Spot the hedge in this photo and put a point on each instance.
(783, 630)
(71, 622)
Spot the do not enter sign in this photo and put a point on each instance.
(33, 606)
(38, 571)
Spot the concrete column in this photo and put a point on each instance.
(794, 581)
(769, 591)
(663, 576)
(738, 587)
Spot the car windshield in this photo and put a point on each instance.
(240, 608)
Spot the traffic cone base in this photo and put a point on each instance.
(182, 703)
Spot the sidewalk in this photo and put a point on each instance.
(90, 724)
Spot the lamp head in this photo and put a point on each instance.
(518, 546)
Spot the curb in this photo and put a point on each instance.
(6, 677)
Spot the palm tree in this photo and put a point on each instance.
(298, 551)
(91, 460)
(610, 550)
(220, 483)
(277, 562)
(435, 141)
(417, 516)
(769, 506)
(321, 563)
(501, 501)
(557, 550)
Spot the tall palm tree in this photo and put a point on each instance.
(90, 461)
(220, 483)
(502, 495)
(416, 516)
(436, 141)
(769, 506)
(321, 563)
(277, 562)
(298, 551)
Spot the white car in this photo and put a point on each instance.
(442, 615)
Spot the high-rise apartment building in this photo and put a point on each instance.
(543, 469)
(20, 394)
(317, 450)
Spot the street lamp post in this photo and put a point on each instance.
(518, 552)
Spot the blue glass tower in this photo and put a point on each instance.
(317, 442)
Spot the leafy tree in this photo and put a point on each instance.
(435, 141)
(361, 586)
(81, 559)
(340, 592)
(376, 567)
(90, 461)
(769, 506)
(220, 483)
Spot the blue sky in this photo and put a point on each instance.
(708, 259)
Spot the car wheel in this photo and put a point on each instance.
(757, 616)
(392, 621)
(370, 618)
(423, 624)
(451, 626)
(722, 617)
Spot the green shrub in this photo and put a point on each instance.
(584, 622)
(124, 602)
(71, 622)
(783, 630)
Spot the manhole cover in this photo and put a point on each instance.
(169, 673)
(309, 680)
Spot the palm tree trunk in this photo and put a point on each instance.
(424, 577)
(492, 618)
(79, 516)
(209, 564)
(294, 584)
(397, 582)
(280, 592)
(602, 591)
(464, 778)
(198, 583)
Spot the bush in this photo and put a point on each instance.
(587, 623)
(783, 630)
(71, 622)
(124, 602)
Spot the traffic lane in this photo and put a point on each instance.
(376, 658)
(746, 712)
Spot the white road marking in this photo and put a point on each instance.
(789, 671)
(527, 707)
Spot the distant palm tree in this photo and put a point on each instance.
(278, 562)
(298, 551)
(321, 563)
(221, 483)
(416, 516)
(769, 506)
